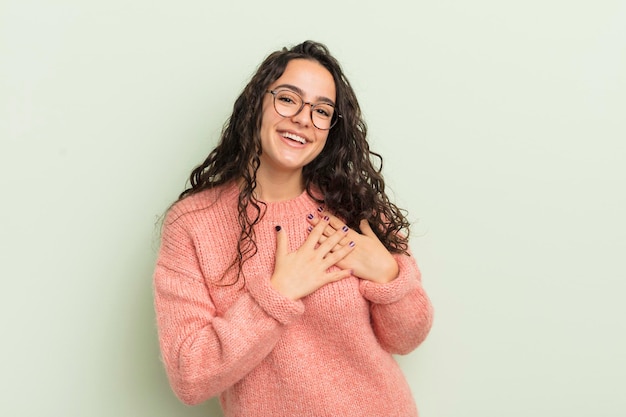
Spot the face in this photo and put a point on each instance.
(290, 143)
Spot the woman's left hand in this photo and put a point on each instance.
(369, 260)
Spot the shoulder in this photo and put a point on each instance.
(203, 229)
(208, 218)
(215, 202)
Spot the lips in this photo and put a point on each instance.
(292, 136)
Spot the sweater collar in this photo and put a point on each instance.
(277, 210)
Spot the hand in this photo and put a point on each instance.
(370, 260)
(298, 274)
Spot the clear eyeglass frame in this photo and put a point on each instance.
(291, 110)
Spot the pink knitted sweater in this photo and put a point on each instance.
(328, 354)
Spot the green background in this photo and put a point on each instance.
(503, 129)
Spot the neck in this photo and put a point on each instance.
(277, 186)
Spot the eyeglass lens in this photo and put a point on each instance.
(288, 103)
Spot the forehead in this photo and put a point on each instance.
(311, 77)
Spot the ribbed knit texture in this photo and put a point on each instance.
(328, 354)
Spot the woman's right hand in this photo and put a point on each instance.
(298, 274)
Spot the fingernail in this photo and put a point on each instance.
(344, 228)
(351, 244)
(309, 229)
(309, 216)
(320, 209)
(326, 218)
(277, 228)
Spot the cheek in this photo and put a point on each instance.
(268, 118)
(322, 139)
(265, 118)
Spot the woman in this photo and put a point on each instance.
(284, 282)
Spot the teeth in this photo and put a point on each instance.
(295, 137)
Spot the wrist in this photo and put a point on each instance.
(277, 286)
(389, 272)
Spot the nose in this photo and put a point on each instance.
(304, 116)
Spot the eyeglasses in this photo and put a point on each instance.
(288, 103)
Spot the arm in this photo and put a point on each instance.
(204, 354)
(401, 311)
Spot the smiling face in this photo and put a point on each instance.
(290, 143)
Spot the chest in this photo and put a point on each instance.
(329, 306)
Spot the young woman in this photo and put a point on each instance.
(284, 282)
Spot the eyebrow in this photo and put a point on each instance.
(299, 91)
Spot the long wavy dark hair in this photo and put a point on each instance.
(346, 174)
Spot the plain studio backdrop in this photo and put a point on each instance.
(502, 125)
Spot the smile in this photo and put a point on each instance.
(294, 137)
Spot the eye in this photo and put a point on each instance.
(287, 98)
(324, 110)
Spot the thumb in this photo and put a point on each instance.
(366, 229)
(281, 241)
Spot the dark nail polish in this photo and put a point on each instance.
(309, 216)
(326, 218)
(277, 228)
(309, 229)
(320, 209)
(351, 244)
(345, 228)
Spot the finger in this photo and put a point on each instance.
(332, 241)
(282, 242)
(314, 220)
(344, 241)
(366, 229)
(334, 225)
(315, 234)
(338, 246)
(339, 254)
(335, 221)
(328, 232)
(338, 275)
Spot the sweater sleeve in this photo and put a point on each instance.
(205, 353)
(401, 311)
